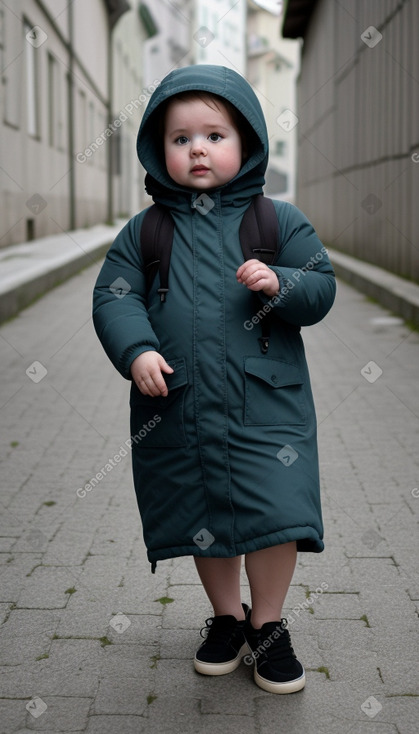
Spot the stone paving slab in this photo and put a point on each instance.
(71, 668)
(357, 638)
(26, 635)
(46, 588)
(324, 705)
(110, 724)
(123, 694)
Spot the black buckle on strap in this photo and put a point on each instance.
(162, 292)
(264, 344)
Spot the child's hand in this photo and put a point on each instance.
(146, 371)
(258, 277)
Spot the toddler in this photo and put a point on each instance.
(226, 462)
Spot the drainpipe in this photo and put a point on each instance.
(116, 8)
(71, 121)
(110, 165)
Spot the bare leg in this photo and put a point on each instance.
(221, 580)
(270, 572)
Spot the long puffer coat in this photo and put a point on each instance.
(227, 463)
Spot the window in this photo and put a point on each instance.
(52, 101)
(11, 65)
(92, 135)
(70, 141)
(32, 83)
(82, 120)
(103, 124)
(281, 147)
(62, 110)
(149, 23)
(2, 64)
(56, 105)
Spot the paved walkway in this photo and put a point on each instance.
(30, 269)
(91, 642)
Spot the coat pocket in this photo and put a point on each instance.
(274, 393)
(159, 422)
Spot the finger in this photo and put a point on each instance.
(255, 278)
(252, 268)
(147, 386)
(144, 387)
(165, 367)
(258, 286)
(254, 275)
(246, 267)
(157, 384)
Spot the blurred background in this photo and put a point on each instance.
(337, 80)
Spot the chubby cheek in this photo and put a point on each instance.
(175, 163)
(229, 163)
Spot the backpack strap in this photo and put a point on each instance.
(156, 246)
(259, 231)
(260, 239)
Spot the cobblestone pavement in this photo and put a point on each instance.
(90, 641)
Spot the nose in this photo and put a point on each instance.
(198, 147)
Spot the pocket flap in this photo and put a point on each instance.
(179, 377)
(275, 372)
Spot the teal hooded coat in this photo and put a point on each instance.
(227, 463)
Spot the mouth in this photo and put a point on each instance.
(199, 170)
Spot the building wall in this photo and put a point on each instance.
(272, 68)
(170, 47)
(219, 33)
(91, 109)
(35, 127)
(130, 97)
(359, 128)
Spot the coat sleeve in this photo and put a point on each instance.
(305, 274)
(120, 315)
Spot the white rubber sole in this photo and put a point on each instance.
(291, 686)
(220, 668)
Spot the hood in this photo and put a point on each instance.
(225, 83)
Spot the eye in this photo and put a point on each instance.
(214, 137)
(181, 140)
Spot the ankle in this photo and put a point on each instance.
(236, 612)
(258, 621)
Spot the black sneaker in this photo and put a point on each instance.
(277, 669)
(224, 646)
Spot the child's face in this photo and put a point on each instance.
(202, 145)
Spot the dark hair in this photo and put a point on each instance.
(247, 134)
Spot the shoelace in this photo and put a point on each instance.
(216, 631)
(280, 648)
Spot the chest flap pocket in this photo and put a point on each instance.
(159, 422)
(274, 393)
